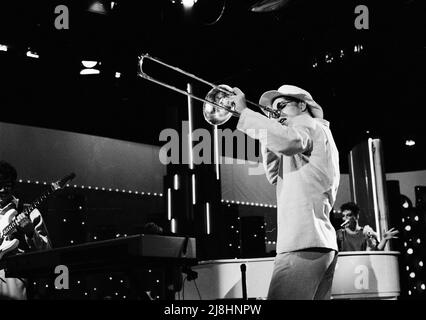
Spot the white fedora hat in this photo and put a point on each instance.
(291, 91)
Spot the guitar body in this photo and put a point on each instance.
(7, 245)
(8, 223)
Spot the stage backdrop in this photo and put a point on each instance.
(46, 155)
(239, 185)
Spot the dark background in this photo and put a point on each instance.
(379, 89)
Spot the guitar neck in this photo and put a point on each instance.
(13, 224)
(38, 201)
(10, 228)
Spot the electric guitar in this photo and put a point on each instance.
(8, 224)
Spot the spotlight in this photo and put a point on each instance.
(3, 47)
(98, 7)
(410, 143)
(89, 63)
(32, 54)
(188, 3)
(89, 67)
(89, 71)
(405, 202)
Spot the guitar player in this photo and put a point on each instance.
(31, 231)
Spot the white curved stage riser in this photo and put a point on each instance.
(358, 275)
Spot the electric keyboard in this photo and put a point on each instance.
(116, 254)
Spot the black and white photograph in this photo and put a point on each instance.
(210, 156)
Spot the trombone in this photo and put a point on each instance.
(216, 109)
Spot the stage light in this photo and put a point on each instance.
(117, 74)
(408, 228)
(208, 217)
(169, 204)
(98, 7)
(423, 286)
(3, 47)
(88, 67)
(173, 226)
(410, 251)
(412, 275)
(405, 203)
(410, 143)
(32, 54)
(421, 263)
(89, 71)
(416, 218)
(188, 3)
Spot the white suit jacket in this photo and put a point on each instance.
(302, 160)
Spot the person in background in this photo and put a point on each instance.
(353, 237)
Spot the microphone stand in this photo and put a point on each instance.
(243, 269)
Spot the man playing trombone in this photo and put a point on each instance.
(300, 157)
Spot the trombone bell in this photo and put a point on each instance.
(213, 114)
